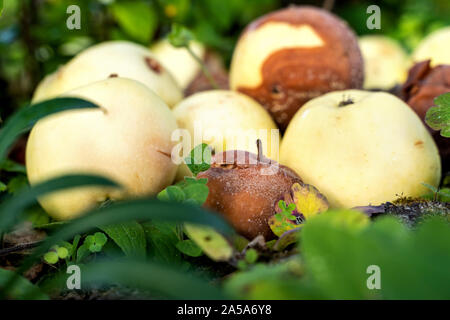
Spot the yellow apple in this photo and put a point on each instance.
(360, 148)
(226, 120)
(112, 59)
(386, 63)
(436, 46)
(128, 140)
(179, 61)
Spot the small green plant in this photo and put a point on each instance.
(72, 253)
(438, 117)
(181, 37)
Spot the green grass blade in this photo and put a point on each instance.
(23, 289)
(25, 118)
(14, 207)
(154, 278)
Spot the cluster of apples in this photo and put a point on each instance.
(298, 69)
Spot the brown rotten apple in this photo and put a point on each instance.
(245, 188)
(423, 85)
(290, 56)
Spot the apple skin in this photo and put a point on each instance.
(368, 152)
(435, 46)
(228, 113)
(127, 140)
(243, 193)
(292, 55)
(178, 61)
(111, 59)
(386, 63)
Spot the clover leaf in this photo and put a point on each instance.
(438, 117)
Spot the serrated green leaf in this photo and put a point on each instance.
(26, 117)
(199, 159)
(136, 18)
(213, 244)
(198, 193)
(172, 193)
(438, 118)
(190, 248)
(129, 236)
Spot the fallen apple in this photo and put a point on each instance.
(246, 192)
(111, 59)
(289, 56)
(127, 140)
(360, 148)
(436, 47)
(386, 63)
(179, 61)
(226, 120)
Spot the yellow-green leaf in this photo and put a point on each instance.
(213, 244)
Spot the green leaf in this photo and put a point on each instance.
(136, 18)
(25, 118)
(11, 166)
(180, 36)
(100, 238)
(62, 252)
(22, 289)
(162, 238)
(51, 257)
(129, 236)
(17, 184)
(197, 193)
(199, 159)
(337, 257)
(82, 252)
(172, 193)
(438, 117)
(188, 247)
(251, 256)
(210, 241)
(13, 208)
(275, 281)
(3, 187)
(95, 242)
(430, 187)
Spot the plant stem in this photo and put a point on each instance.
(19, 248)
(203, 67)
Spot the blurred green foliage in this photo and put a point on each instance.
(337, 250)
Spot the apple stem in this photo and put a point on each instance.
(260, 149)
(346, 102)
